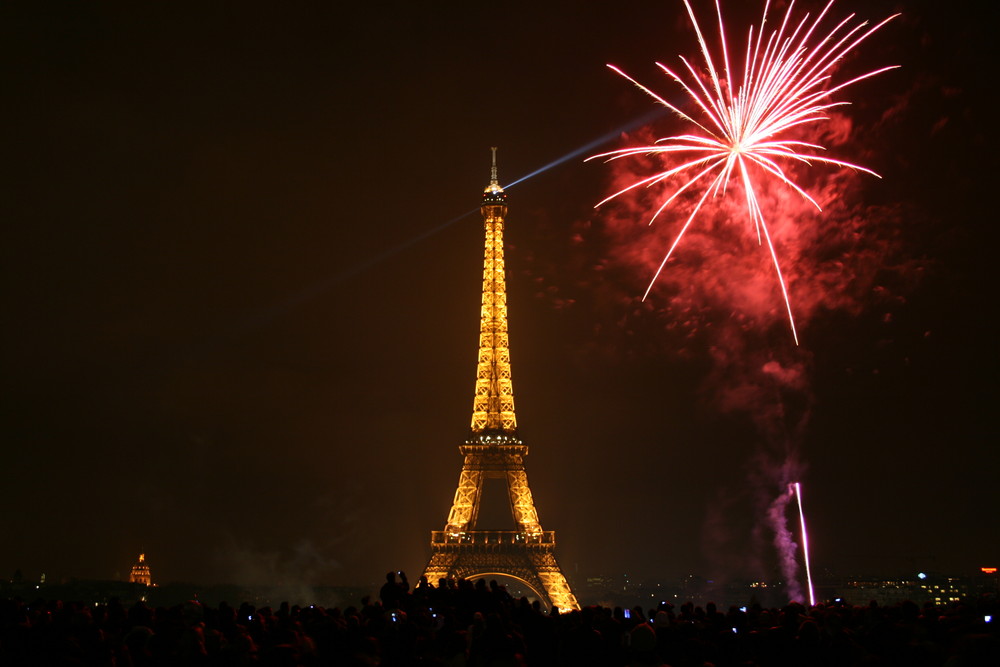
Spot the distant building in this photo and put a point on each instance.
(140, 573)
(884, 591)
(941, 589)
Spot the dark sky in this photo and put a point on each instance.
(232, 341)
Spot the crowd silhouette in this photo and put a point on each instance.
(479, 624)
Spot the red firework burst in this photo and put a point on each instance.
(746, 122)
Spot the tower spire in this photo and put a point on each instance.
(493, 172)
(494, 194)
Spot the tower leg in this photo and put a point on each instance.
(466, 505)
(441, 566)
(556, 587)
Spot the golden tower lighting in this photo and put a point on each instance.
(493, 450)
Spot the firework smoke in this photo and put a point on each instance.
(785, 544)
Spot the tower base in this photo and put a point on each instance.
(530, 558)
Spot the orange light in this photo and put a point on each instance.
(988, 570)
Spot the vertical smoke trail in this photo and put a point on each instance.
(776, 463)
(773, 388)
(785, 544)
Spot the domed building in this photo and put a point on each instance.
(140, 573)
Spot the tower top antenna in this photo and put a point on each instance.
(494, 194)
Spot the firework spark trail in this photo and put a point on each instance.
(805, 542)
(785, 84)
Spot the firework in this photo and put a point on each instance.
(797, 489)
(744, 122)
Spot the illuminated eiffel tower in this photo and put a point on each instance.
(493, 451)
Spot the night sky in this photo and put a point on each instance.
(243, 255)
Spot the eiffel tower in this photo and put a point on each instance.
(493, 451)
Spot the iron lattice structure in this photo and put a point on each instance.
(493, 450)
